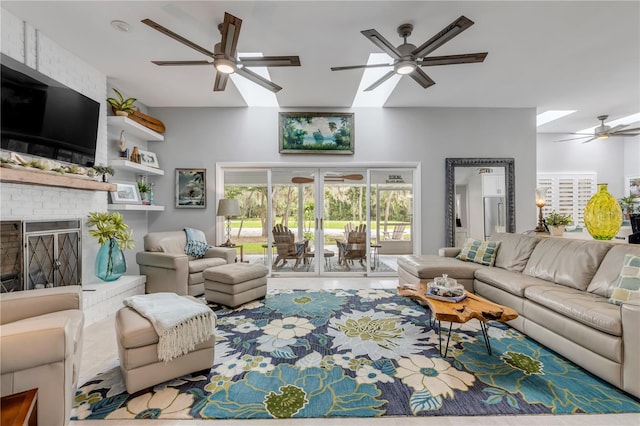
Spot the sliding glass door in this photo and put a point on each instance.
(343, 221)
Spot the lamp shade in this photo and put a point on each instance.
(228, 207)
(541, 196)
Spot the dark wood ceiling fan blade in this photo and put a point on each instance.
(384, 44)
(248, 74)
(176, 37)
(180, 63)
(230, 33)
(221, 82)
(421, 78)
(355, 67)
(629, 132)
(589, 140)
(452, 30)
(381, 80)
(467, 58)
(271, 61)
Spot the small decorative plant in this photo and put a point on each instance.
(558, 219)
(109, 227)
(121, 104)
(104, 171)
(628, 204)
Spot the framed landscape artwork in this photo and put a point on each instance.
(316, 133)
(126, 193)
(191, 188)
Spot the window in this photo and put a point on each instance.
(568, 193)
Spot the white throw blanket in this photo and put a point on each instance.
(181, 323)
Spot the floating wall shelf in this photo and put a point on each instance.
(133, 128)
(136, 207)
(134, 167)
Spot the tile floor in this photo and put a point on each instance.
(100, 353)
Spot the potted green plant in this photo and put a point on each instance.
(113, 235)
(104, 171)
(556, 222)
(145, 190)
(628, 205)
(121, 106)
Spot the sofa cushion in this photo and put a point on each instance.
(199, 265)
(429, 266)
(572, 263)
(608, 272)
(515, 250)
(167, 242)
(511, 282)
(628, 286)
(482, 252)
(587, 308)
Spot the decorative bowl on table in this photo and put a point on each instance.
(445, 287)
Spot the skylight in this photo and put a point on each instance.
(624, 120)
(377, 97)
(551, 115)
(254, 95)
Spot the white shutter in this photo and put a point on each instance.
(568, 193)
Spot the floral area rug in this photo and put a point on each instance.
(360, 353)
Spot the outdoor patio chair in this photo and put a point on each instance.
(398, 232)
(287, 246)
(354, 248)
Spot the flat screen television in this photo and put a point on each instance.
(45, 118)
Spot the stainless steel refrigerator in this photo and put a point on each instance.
(494, 216)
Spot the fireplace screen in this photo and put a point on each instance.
(51, 256)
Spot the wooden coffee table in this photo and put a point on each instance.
(472, 306)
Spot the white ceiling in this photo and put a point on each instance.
(582, 55)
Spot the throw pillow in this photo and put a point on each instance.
(196, 243)
(628, 286)
(482, 252)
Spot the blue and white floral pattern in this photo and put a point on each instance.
(358, 353)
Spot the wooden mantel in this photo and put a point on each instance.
(48, 179)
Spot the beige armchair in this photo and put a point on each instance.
(168, 268)
(41, 346)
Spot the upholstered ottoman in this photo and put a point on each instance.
(235, 283)
(138, 351)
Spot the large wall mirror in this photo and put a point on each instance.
(480, 198)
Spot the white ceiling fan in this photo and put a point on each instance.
(604, 131)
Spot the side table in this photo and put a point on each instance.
(236, 246)
(20, 409)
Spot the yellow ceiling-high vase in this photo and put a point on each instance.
(603, 215)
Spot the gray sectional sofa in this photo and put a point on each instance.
(560, 288)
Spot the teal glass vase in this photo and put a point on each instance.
(603, 215)
(110, 261)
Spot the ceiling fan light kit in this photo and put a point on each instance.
(224, 66)
(407, 58)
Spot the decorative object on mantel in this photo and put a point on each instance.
(603, 215)
(135, 155)
(541, 200)
(556, 223)
(113, 235)
(45, 165)
(104, 171)
(121, 106)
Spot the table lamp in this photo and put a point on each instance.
(541, 200)
(228, 208)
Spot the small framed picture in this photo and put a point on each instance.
(126, 193)
(191, 188)
(633, 186)
(148, 158)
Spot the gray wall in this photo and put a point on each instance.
(202, 137)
